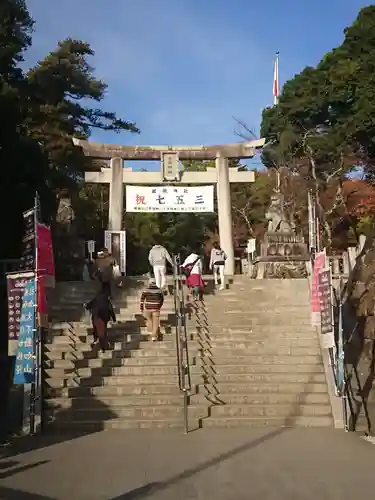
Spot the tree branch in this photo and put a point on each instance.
(242, 213)
(248, 134)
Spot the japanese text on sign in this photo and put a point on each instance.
(326, 310)
(24, 366)
(16, 283)
(170, 199)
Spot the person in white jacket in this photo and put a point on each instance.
(217, 264)
(158, 258)
(193, 271)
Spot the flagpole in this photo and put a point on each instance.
(275, 103)
(276, 80)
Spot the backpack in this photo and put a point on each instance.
(186, 271)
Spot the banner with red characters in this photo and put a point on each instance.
(319, 265)
(45, 259)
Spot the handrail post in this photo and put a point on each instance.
(183, 366)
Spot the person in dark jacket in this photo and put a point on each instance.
(101, 312)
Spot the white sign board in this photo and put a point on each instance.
(115, 242)
(199, 199)
(91, 247)
(251, 245)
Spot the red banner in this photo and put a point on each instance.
(45, 261)
(319, 264)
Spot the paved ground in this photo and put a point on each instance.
(294, 464)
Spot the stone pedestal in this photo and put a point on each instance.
(283, 256)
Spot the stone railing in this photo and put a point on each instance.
(342, 265)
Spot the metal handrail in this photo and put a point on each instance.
(338, 357)
(183, 365)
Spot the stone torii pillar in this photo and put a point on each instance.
(116, 195)
(224, 209)
(221, 175)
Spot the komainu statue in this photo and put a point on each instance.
(275, 214)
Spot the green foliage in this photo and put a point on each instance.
(41, 112)
(323, 125)
(250, 202)
(62, 85)
(330, 108)
(46, 106)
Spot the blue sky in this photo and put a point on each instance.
(181, 69)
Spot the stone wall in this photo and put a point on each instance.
(359, 336)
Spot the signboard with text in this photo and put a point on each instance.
(28, 240)
(24, 370)
(16, 283)
(115, 242)
(326, 309)
(319, 264)
(157, 199)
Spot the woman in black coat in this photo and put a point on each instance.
(101, 312)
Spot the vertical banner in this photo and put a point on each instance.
(16, 283)
(319, 264)
(28, 254)
(115, 242)
(326, 309)
(45, 270)
(45, 258)
(24, 371)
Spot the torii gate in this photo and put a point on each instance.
(116, 176)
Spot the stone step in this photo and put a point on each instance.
(250, 347)
(100, 414)
(267, 411)
(69, 380)
(262, 378)
(120, 347)
(86, 426)
(215, 349)
(292, 421)
(82, 403)
(263, 360)
(121, 314)
(112, 337)
(113, 371)
(273, 385)
(242, 319)
(266, 341)
(256, 340)
(251, 301)
(242, 323)
(113, 331)
(237, 369)
(281, 330)
(123, 391)
(321, 398)
(119, 309)
(95, 363)
(92, 355)
(126, 297)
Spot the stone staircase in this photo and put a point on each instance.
(133, 385)
(254, 360)
(260, 359)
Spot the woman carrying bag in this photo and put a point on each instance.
(192, 269)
